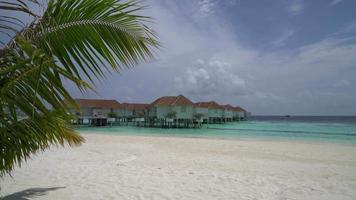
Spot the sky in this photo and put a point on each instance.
(275, 57)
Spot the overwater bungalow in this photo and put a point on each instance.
(175, 111)
(166, 111)
(202, 109)
(217, 113)
(96, 111)
(212, 111)
(239, 113)
(135, 112)
(122, 113)
(228, 113)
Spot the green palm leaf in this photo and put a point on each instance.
(74, 40)
(96, 36)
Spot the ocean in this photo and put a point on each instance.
(298, 128)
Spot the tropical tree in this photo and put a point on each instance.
(75, 41)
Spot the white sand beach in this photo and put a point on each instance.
(137, 167)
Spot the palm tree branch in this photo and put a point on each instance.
(73, 39)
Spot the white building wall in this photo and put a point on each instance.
(216, 112)
(235, 113)
(242, 114)
(152, 111)
(228, 113)
(101, 112)
(221, 112)
(128, 113)
(86, 112)
(162, 111)
(184, 112)
(93, 112)
(120, 112)
(213, 112)
(203, 111)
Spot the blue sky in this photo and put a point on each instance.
(271, 57)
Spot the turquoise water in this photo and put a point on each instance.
(335, 132)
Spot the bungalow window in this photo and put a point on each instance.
(183, 109)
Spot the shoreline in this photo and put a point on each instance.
(144, 167)
(232, 138)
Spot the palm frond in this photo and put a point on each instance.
(18, 5)
(96, 35)
(72, 38)
(25, 137)
(33, 105)
(12, 25)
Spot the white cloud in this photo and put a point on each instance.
(280, 41)
(207, 61)
(206, 8)
(342, 83)
(334, 2)
(296, 7)
(328, 53)
(210, 77)
(231, 2)
(347, 28)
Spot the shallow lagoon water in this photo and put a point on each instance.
(335, 131)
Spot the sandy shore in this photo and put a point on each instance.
(134, 167)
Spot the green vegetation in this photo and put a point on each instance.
(140, 114)
(171, 115)
(112, 115)
(72, 41)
